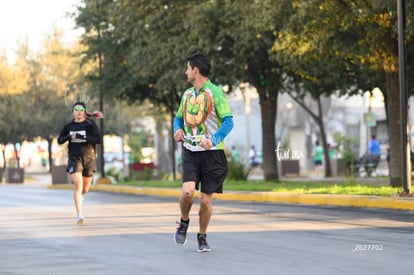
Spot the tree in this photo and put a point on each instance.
(38, 100)
(362, 36)
(113, 34)
(348, 46)
(55, 75)
(15, 126)
(244, 33)
(148, 55)
(315, 73)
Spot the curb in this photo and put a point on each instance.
(322, 199)
(396, 203)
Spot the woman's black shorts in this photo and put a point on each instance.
(85, 165)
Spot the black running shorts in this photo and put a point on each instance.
(206, 167)
(84, 165)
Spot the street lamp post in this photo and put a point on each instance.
(403, 93)
(247, 110)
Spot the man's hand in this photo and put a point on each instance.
(206, 143)
(179, 135)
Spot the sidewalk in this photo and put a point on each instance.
(395, 202)
(39, 179)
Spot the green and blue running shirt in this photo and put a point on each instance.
(202, 113)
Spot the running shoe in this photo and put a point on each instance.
(180, 235)
(202, 243)
(80, 219)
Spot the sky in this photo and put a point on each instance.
(34, 20)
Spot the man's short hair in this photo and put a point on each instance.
(201, 61)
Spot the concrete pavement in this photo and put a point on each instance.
(395, 202)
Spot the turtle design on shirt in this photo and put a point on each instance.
(197, 108)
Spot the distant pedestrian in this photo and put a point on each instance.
(373, 146)
(253, 156)
(331, 151)
(317, 155)
(388, 159)
(82, 134)
(235, 155)
(179, 161)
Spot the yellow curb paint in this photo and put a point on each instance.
(275, 197)
(313, 199)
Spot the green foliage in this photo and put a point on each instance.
(237, 171)
(320, 47)
(143, 48)
(145, 175)
(138, 140)
(346, 47)
(135, 143)
(347, 187)
(344, 146)
(114, 173)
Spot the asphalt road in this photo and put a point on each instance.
(133, 234)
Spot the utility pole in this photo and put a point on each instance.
(403, 94)
(101, 152)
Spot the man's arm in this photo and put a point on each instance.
(225, 128)
(178, 127)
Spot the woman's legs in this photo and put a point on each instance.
(77, 191)
(87, 181)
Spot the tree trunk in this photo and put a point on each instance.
(394, 129)
(319, 122)
(163, 158)
(17, 154)
(49, 152)
(3, 151)
(268, 111)
(173, 145)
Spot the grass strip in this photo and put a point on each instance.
(346, 187)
